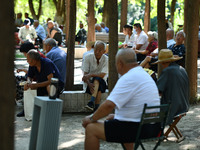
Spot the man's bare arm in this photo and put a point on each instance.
(138, 46)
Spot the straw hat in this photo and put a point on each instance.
(166, 55)
(90, 44)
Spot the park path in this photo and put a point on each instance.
(72, 133)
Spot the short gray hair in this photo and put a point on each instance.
(127, 55)
(51, 42)
(181, 32)
(153, 34)
(34, 54)
(98, 43)
(170, 32)
(50, 21)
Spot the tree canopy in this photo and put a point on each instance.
(136, 9)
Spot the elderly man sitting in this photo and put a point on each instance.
(54, 32)
(131, 92)
(173, 84)
(58, 56)
(27, 33)
(41, 69)
(95, 68)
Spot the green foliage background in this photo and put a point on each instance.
(135, 14)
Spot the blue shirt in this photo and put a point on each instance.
(107, 29)
(40, 32)
(58, 56)
(47, 67)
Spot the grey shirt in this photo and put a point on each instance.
(173, 83)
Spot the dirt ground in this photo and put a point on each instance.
(72, 133)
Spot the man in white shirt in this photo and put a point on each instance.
(27, 33)
(131, 92)
(129, 39)
(95, 68)
(170, 37)
(141, 38)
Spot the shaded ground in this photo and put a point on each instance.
(72, 133)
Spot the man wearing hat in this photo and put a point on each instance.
(173, 84)
(27, 33)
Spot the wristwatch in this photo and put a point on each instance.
(91, 118)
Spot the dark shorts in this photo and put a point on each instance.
(125, 132)
(42, 91)
(153, 67)
(102, 85)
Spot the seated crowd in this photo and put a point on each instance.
(134, 88)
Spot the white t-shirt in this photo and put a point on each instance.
(27, 34)
(90, 65)
(142, 38)
(170, 42)
(129, 41)
(131, 92)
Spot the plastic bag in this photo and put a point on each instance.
(29, 97)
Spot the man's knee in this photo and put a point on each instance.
(95, 130)
(96, 82)
(90, 129)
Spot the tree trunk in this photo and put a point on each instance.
(31, 7)
(147, 23)
(71, 45)
(173, 4)
(124, 11)
(7, 75)
(113, 42)
(59, 4)
(199, 15)
(91, 22)
(105, 13)
(185, 16)
(161, 28)
(67, 21)
(192, 46)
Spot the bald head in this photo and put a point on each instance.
(125, 60)
(127, 56)
(170, 34)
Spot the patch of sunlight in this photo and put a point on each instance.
(27, 129)
(188, 146)
(198, 116)
(190, 112)
(70, 143)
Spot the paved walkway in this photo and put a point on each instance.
(72, 134)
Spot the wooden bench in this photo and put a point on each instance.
(78, 52)
(105, 37)
(75, 101)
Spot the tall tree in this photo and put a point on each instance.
(67, 21)
(147, 23)
(31, 6)
(7, 75)
(161, 28)
(113, 42)
(91, 21)
(71, 46)
(60, 10)
(124, 11)
(185, 16)
(192, 45)
(173, 4)
(105, 12)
